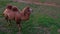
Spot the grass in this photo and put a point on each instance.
(42, 16)
(51, 1)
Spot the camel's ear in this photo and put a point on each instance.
(9, 6)
(15, 8)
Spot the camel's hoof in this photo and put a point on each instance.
(8, 24)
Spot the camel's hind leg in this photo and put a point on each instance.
(8, 20)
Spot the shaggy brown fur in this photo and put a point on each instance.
(9, 6)
(15, 8)
(22, 16)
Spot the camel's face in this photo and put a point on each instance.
(29, 10)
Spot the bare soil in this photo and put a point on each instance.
(38, 3)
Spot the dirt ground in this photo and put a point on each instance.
(37, 2)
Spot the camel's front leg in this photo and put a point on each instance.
(19, 24)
